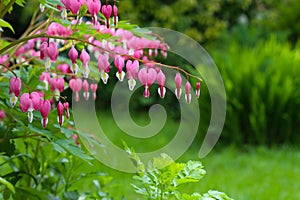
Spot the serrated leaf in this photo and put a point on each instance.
(6, 24)
(7, 184)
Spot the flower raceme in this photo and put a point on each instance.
(132, 55)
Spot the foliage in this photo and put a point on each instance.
(262, 92)
(40, 161)
(201, 20)
(162, 177)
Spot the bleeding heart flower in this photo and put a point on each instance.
(198, 91)
(94, 88)
(178, 82)
(119, 63)
(161, 79)
(60, 112)
(66, 106)
(85, 59)
(188, 96)
(15, 85)
(86, 87)
(76, 85)
(73, 55)
(107, 10)
(45, 78)
(147, 76)
(132, 73)
(94, 8)
(103, 66)
(44, 110)
(29, 103)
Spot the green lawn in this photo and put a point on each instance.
(243, 173)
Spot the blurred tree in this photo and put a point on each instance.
(202, 20)
(284, 15)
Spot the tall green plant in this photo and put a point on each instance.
(262, 92)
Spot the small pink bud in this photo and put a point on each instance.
(73, 54)
(115, 10)
(75, 138)
(188, 96)
(60, 112)
(161, 79)
(2, 114)
(52, 51)
(86, 87)
(15, 85)
(66, 106)
(44, 110)
(178, 82)
(84, 57)
(94, 88)
(198, 91)
(115, 13)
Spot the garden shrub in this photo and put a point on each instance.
(263, 98)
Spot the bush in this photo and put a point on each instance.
(262, 92)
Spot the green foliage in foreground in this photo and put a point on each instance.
(161, 179)
(244, 173)
(262, 87)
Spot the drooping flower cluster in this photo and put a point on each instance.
(69, 61)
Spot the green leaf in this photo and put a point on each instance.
(6, 24)
(74, 195)
(30, 193)
(68, 132)
(7, 184)
(42, 132)
(69, 146)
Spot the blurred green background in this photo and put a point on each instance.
(255, 45)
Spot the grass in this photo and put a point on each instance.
(242, 173)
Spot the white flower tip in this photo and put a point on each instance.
(120, 75)
(86, 95)
(162, 92)
(188, 98)
(86, 72)
(13, 100)
(178, 93)
(131, 52)
(44, 122)
(74, 68)
(104, 77)
(48, 64)
(131, 84)
(60, 120)
(198, 92)
(30, 116)
(42, 7)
